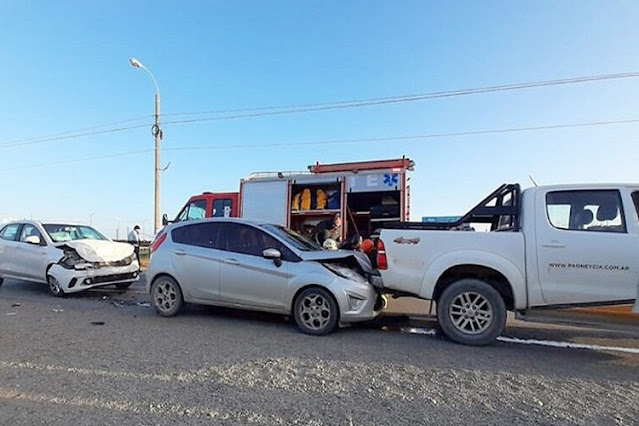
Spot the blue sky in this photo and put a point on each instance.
(64, 66)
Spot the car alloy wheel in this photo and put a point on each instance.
(471, 313)
(167, 296)
(54, 286)
(316, 311)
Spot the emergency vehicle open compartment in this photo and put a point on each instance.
(365, 194)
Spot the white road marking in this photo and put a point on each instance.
(570, 345)
(423, 331)
(548, 343)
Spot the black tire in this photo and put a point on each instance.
(471, 312)
(54, 287)
(166, 296)
(123, 286)
(315, 311)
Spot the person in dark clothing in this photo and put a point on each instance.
(330, 228)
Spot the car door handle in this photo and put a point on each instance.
(553, 245)
(231, 262)
(179, 252)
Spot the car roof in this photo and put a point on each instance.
(584, 186)
(37, 222)
(254, 222)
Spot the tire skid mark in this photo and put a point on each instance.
(163, 409)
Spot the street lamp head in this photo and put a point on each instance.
(135, 63)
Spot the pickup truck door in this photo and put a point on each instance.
(587, 246)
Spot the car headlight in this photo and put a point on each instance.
(344, 272)
(72, 260)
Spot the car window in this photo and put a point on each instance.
(271, 242)
(249, 240)
(194, 210)
(28, 231)
(598, 211)
(197, 234)
(10, 232)
(635, 200)
(61, 233)
(297, 240)
(222, 207)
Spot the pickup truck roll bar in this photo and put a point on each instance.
(501, 209)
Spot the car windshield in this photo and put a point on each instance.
(293, 238)
(60, 233)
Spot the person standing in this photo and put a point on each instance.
(134, 239)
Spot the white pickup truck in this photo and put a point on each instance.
(550, 248)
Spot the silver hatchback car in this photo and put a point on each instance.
(259, 266)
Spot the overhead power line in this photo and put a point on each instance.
(70, 136)
(302, 108)
(342, 141)
(68, 132)
(292, 109)
(77, 160)
(406, 138)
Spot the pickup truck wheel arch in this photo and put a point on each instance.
(471, 312)
(482, 273)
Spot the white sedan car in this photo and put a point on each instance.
(69, 258)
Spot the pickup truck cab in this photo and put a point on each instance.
(549, 248)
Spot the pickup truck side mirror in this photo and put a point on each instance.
(276, 255)
(33, 239)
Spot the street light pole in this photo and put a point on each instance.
(157, 134)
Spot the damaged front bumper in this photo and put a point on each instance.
(76, 280)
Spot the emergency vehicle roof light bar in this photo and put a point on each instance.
(356, 166)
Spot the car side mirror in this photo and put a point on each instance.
(273, 254)
(33, 239)
(165, 220)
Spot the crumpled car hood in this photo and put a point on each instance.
(320, 255)
(100, 250)
(326, 255)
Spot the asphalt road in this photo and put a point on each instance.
(105, 358)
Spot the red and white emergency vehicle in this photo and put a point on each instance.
(365, 194)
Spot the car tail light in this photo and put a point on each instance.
(382, 262)
(158, 241)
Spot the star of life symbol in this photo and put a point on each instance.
(391, 179)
